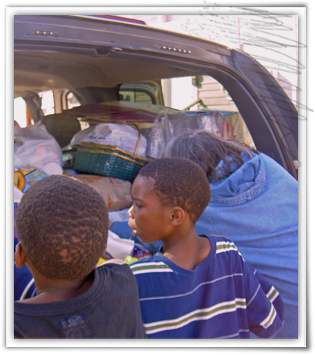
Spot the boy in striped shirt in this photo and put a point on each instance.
(196, 286)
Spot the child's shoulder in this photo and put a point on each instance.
(112, 263)
(148, 260)
(116, 272)
(114, 266)
(225, 246)
(154, 263)
(222, 241)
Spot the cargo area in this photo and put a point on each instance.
(118, 139)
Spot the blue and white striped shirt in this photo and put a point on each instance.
(224, 297)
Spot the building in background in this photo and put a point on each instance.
(270, 39)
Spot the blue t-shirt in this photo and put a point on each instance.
(224, 297)
(108, 309)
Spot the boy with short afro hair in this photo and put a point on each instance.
(41, 219)
(196, 286)
(62, 227)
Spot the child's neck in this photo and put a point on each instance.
(59, 290)
(188, 251)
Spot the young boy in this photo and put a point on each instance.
(62, 227)
(196, 286)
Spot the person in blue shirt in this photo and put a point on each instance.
(62, 228)
(254, 202)
(196, 286)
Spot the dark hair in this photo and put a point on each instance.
(180, 182)
(62, 224)
(207, 150)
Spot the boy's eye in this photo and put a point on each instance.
(136, 204)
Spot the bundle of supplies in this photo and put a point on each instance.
(112, 150)
(119, 135)
(35, 148)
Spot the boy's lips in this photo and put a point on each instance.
(132, 226)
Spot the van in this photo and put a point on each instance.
(110, 69)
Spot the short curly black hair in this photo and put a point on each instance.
(62, 224)
(181, 182)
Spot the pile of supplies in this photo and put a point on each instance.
(120, 139)
(111, 150)
(38, 155)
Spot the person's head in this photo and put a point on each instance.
(62, 226)
(166, 192)
(207, 150)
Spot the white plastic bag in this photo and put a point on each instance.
(120, 135)
(115, 192)
(79, 136)
(117, 247)
(35, 148)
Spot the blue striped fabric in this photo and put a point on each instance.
(224, 297)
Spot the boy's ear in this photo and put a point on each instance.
(177, 216)
(19, 256)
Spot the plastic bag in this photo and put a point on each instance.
(80, 136)
(119, 135)
(119, 248)
(35, 148)
(166, 125)
(158, 135)
(115, 192)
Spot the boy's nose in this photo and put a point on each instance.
(130, 212)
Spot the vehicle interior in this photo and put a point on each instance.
(89, 75)
(94, 79)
